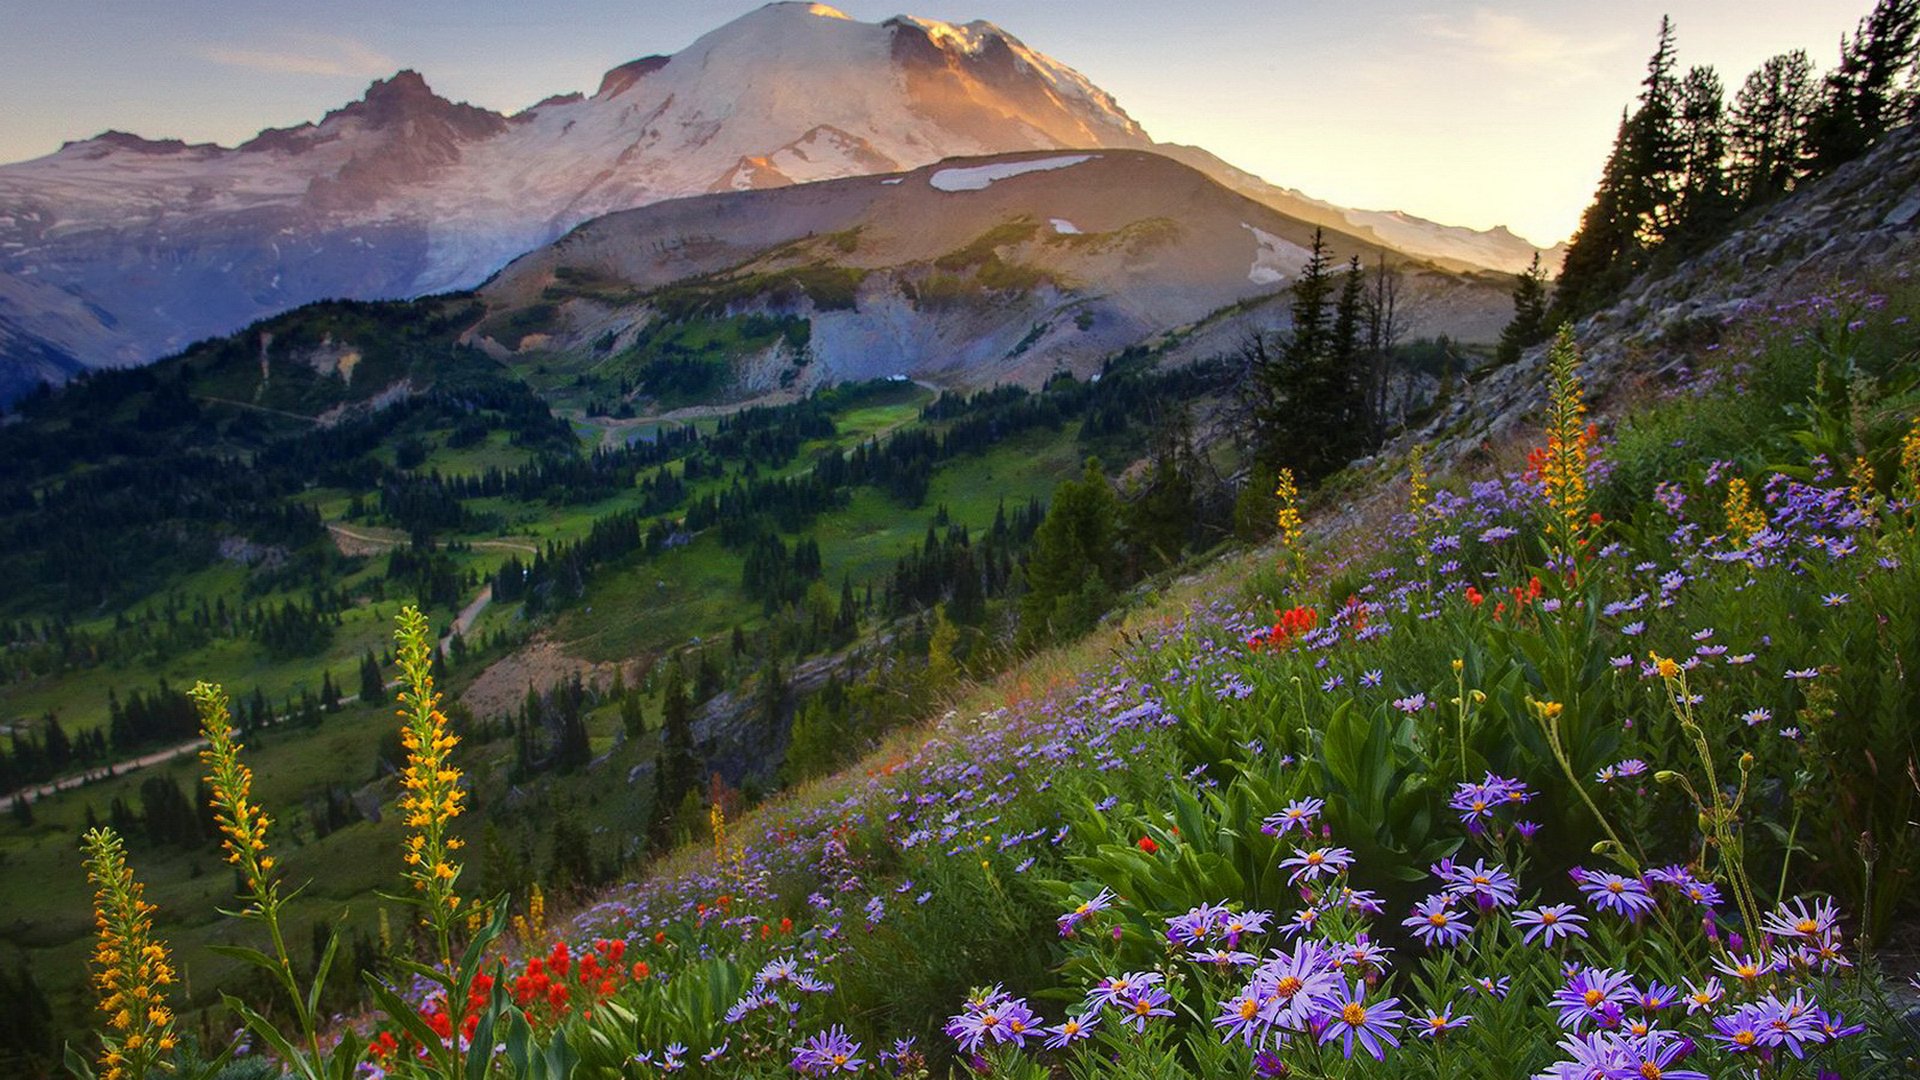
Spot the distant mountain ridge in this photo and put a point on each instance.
(118, 249)
(967, 273)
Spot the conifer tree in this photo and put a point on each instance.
(373, 686)
(1656, 154)
(1073, 566)
(1767, 127)
(1601, 255)
(1705, 202)
(675, 771)
(1869, 92)
(1529, 324)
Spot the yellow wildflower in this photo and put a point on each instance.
(130, 964)
(431, 792)
(1743, 518)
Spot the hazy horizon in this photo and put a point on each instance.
(1473, 114)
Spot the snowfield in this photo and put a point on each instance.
(1275, 258)
(978, 177)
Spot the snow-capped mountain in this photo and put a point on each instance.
(118, 249)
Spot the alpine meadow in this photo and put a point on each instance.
(836, 553)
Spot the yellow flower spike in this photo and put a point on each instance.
(432, 795)
(242, 824)
(1743, 518)
(129, 963)
(1561, 466)
(1861, 473)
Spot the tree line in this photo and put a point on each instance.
(1686, 162)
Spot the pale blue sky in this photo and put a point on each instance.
(1470, 113)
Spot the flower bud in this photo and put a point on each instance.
(1665, 776)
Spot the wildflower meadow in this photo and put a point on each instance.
(1601, 767)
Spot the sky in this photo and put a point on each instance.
(1475, 114)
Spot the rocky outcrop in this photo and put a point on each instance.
(1858, 225)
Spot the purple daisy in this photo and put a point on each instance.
(1550, 922)
(1350, 1018)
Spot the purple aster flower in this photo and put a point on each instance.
(1233, 926)
(1593, 995)
(1493, 986)
(1739, 1031)
(1656, 996)
(1292, 985)
(1792, 1023)
(1608, 891)
(1550, 922)
(1704, 996)
(1361, 954)
(1489, 886)
(1589, 1057)
(1240, 1018)
(1196, 925)
(1072, 1030)
(1793, 920)
(1435, 1024)
(1084, 910)
(1654, 1054)
(1372, 678)
(1410, 705)
(1114, 989)
(1834, 1026)
(1141, 1004)
(1435, 922)
(828, 1052)
(1320, 862)
(1748, 968)
(1299, 812)
(1349, 1017)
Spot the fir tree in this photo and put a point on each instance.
(1601, 255)
(1706, 203)
(373, 688)
(1867, 94)
(1656, 153)
(1073, 564)
(1767, 127)
(1529, 324)
(675, 771)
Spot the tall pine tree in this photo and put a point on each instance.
(1529, 325)
(1767, 127)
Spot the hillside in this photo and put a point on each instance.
(968, 273)
(119, 249)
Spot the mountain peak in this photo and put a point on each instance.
(406, 97)
(803, 7)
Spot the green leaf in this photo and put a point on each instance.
(561, 1058)
(320, 971)
(480, 1049)
(77, 1065)
(266, 1029)
(407, 1017)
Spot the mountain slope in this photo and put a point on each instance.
(969, 272)
(153, 244)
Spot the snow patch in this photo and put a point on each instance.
(1064, 227)
(893, 181)
(977, 177)
(1274, 258)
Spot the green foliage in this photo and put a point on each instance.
(1075, 563)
